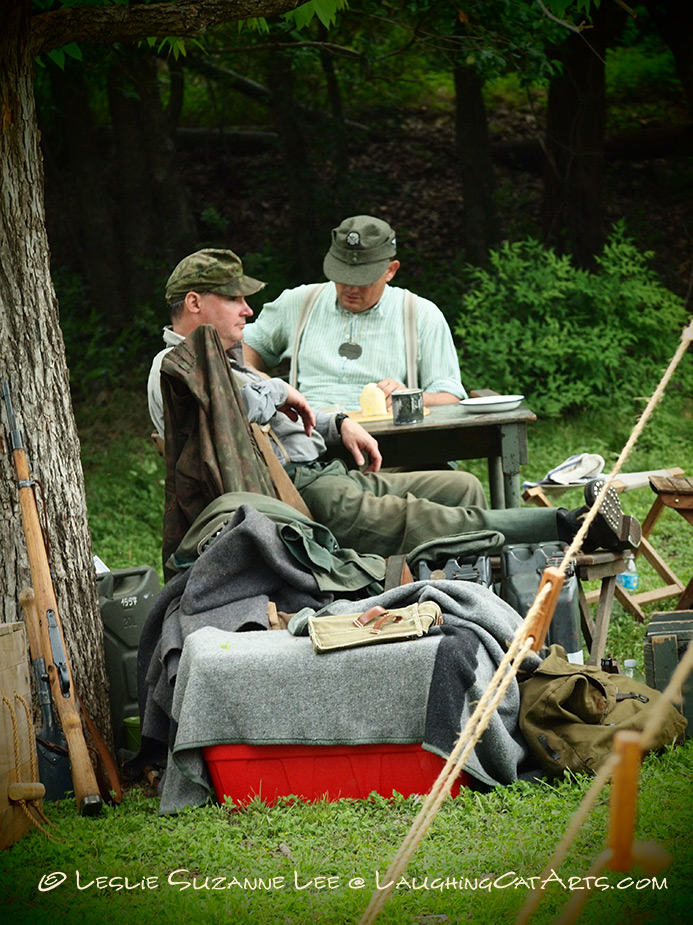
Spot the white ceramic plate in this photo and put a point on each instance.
(492, 403)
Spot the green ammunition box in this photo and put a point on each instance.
(666, 641)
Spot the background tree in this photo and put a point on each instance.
(32, 355)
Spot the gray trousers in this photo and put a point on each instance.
(393, 513)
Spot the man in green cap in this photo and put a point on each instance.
(368, 511)
(357, 328)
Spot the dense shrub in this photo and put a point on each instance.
(564, 337)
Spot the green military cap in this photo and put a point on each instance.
(361, 251)
(210, 270)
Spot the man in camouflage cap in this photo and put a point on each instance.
(365, 509)
(210, 270)
(210, 287)
(356, 328)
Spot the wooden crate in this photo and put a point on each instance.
(14, 680)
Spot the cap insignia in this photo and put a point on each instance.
(353, 238)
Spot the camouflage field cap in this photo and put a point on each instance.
(210, 270)
(362, 248)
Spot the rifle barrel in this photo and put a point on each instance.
(42, 612)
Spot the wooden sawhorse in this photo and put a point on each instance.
(632, 601)
(677, 493)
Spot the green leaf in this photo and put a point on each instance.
(57, 56)
(73, 50)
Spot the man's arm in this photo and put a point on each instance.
(389, 386)
(296, 407)
(439, 398)
(357, 440)
(252, 358)
(439, 365)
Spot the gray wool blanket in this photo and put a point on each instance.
(271, 688)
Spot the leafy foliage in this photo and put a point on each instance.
(565, 337)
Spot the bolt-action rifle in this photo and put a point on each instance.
(48, 635)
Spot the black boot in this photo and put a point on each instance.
(611, 529)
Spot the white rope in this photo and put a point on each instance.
(504, 675)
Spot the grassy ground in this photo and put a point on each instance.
(321, 862)
(204, 865)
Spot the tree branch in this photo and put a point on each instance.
(107, 24)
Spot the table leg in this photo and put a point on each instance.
(601, 624)
(496, 482)
(513, 455)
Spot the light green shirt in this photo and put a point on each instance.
(330, 380)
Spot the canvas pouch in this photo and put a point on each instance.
(344, 631)
(570, 713)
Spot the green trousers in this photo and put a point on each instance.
(393, 513)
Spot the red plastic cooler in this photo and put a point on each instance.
(314, 772)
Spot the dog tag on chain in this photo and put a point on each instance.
(349, 350)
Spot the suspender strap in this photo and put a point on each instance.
(304, 312)
(411, 339)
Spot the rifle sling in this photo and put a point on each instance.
(115, 792)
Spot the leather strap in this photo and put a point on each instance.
(367, 616)
(379, 624)
(397, 572)
(411, 339)
(115, 792)
(286, 490)
(304, 312)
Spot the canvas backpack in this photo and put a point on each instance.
(570, 713)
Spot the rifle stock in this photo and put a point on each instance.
(47, 633)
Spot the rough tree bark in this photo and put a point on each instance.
(32, 354)
(32, 360)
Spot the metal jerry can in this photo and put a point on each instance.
(666, 641)
(125, 599)
(522, 566)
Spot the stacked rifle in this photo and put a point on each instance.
(47, 645)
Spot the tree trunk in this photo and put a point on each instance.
(339, 192)
(475, 165)
(32, 360)
(300, 180)
(85, 197)
(575, 121)
(155, 222)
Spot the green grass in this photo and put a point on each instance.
(475, 840)
(474, 837)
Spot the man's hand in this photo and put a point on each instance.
(295, 407)
(389, 386)
(357, 440)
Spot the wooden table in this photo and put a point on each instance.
(452, 432)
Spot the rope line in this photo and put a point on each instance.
(505, 674)
(670, 695)
(686, 338)
(474, 729)
(23, 805)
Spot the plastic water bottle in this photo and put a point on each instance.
(630, 668)
(629, 579)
